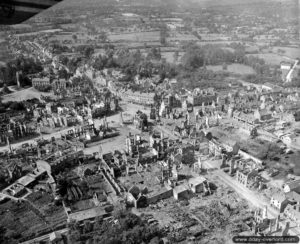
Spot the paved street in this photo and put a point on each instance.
(249, 195)
(114, 143)
(252, 197)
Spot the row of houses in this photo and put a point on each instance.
(46, 83)
(287, 201)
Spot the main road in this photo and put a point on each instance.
(250, 196)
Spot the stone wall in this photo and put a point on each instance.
(167, 193)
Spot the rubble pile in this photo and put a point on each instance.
(222, 215)
(219, 214)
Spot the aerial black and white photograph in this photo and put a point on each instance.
(149, 121)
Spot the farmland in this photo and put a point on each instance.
(54, 215)
(178, 37)
(36, 210)
(278, 55)
(214, 37)
(233, 68)
(150, 36)
(138, 45)
(16, 216)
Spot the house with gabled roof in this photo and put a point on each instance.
(294, 197)
(292, 186)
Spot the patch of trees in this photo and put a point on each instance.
(134, 63)
(190, 73)
(257, 64)
(86, 50)
(73, 63)
(58, 49)
(154, 53)
(198, 56)
(294, 83)
(102, 36)
(193, 58)
(202, 78)
(13, 106)
(25, 65)
(8, 236)
(265, 151)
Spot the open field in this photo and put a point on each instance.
(228, 49)
(136, 36)
(288, 51)
(139, 45)
(204, 42)
(214, 37)
(271, 58)
(233, 68)
(181, 37)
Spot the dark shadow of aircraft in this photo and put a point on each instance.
(17, 11)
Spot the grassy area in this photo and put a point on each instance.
(204, 42)
(214, 37)
(288, 51)
(233, 68)
(270, 58)
(181, 37)
(40, 199)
